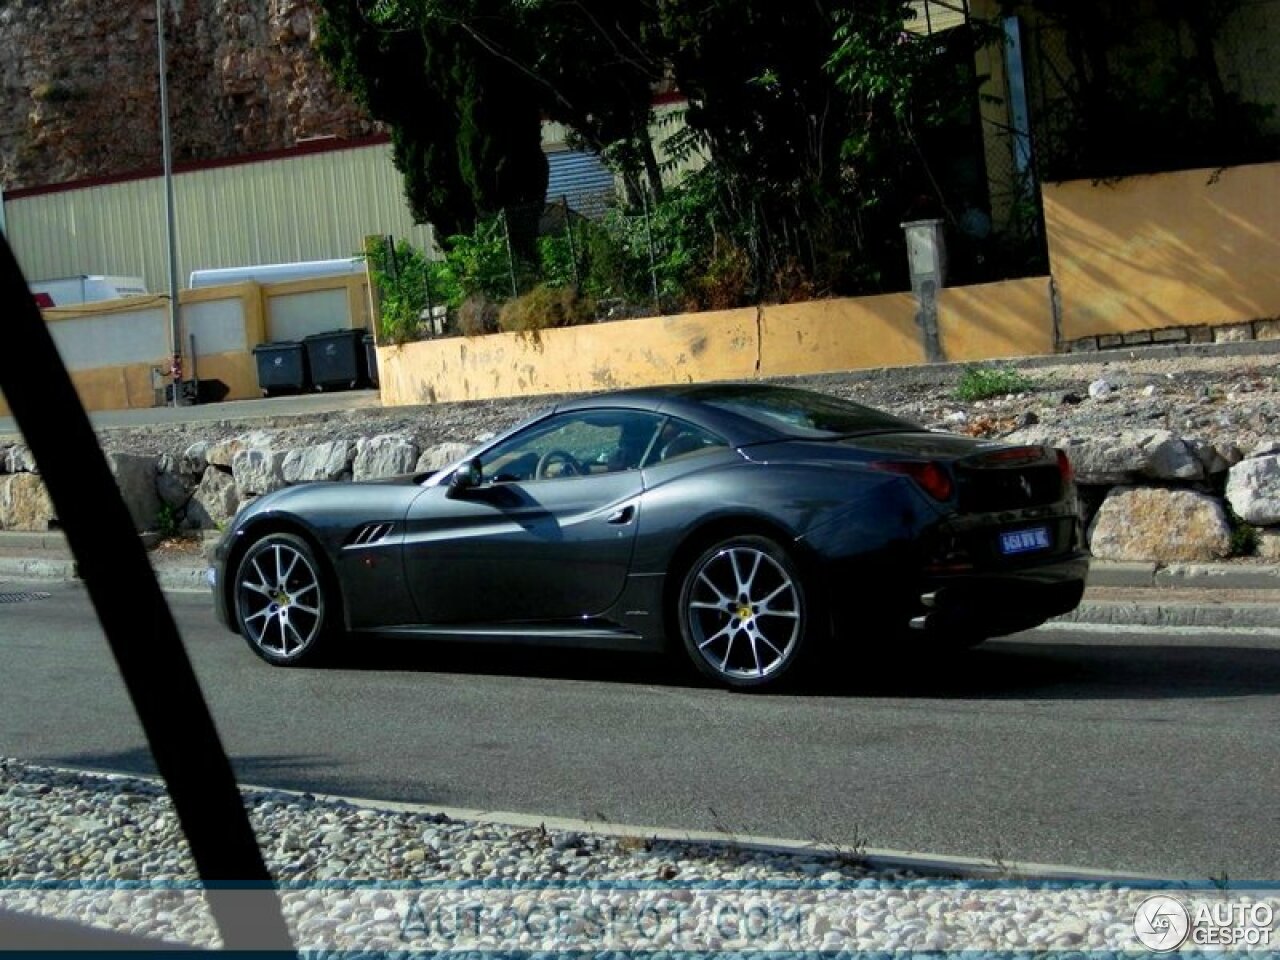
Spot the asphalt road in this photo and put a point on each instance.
(1157, 754)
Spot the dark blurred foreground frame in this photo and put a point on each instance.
(140, 629)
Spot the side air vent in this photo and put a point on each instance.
(369, 534)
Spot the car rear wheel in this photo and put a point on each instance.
(281, 600)
(743, 613)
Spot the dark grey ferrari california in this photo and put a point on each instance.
(752, 523)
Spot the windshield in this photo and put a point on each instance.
(809, 416)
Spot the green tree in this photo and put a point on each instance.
(466, 131)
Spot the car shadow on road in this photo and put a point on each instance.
(1036, 668)
(546, 662)
(1024, 667)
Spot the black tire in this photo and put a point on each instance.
(283, 602)
(744, 614)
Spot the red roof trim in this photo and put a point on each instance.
(305, 148)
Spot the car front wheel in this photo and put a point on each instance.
(280, 600)
(743, 613)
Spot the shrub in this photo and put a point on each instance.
(477, 316)
(478, 261)
(980, 383)
(543, 308)
(727, 282)
(556, 256)
(400, 278)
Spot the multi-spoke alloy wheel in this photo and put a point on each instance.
(280, 599)
(742, 612)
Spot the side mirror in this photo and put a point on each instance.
(466, 477)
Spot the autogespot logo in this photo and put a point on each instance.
(1161, 923)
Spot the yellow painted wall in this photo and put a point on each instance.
(237, 369)
(682, 349)
(990, 320)
(818, 337)
(129, 385)
(822, 336)
(1169, 250)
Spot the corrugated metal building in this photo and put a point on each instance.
(316, 204)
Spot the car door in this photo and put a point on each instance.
(548, 532)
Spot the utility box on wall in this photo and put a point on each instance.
(926, 252)
(927, 260)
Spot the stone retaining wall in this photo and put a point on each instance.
(1176, 465)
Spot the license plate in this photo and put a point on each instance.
(1024, 541)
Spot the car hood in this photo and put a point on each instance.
(312, 498)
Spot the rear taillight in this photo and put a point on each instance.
(931, 477)
(1065, 470)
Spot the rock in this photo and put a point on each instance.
(1253, 490)
(135, 477)
(1149, 390)
(440, 456)
(194, 461)
(1071, 399)
(1100, 390)
(215, 501)
(1128, 456)
(1212, 460)
(1169, 458)
(257, 471)
(24, 503)
(1027, 419)
(223, 454)
(1158, 525)
(172, 487)
(1265, 447)
(19, 459)
(323, 461)
(387, 455)
(1269, 543)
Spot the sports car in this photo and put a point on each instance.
(749, 525)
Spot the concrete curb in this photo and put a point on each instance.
(1193, 576)
(1154, 613)
(37, 568)
(875, 857)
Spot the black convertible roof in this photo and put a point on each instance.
(696, 402)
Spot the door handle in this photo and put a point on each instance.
(622, 516)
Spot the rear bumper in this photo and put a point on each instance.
(871, 599)
(996, 603)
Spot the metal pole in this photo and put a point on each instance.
(653, 262)
(511, 257)
(175, 318)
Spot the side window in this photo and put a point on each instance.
(679, 438)
(576, 444)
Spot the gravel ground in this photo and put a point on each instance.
(1234, 399)
(107, 851)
